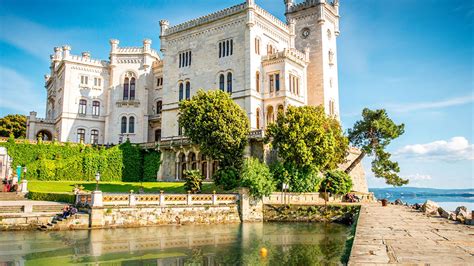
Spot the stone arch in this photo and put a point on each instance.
(45, 135)
(270, 115)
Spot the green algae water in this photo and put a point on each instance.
(230, 244)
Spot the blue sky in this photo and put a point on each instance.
(414, 58)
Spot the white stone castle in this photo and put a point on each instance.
(264, 63)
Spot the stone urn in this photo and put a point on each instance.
(384, 202)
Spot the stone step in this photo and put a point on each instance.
(11, 196)
(11, 209)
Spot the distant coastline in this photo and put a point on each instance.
(446, 198)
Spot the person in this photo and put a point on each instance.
(72, 210)
(65, 212)
(14, 188)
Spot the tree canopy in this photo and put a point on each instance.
(305, 136)
(217, 124)
(372, 135)
(13, 125)
(337, 182)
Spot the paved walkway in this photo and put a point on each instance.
(400, 235)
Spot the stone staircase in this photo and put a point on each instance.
(11, 196)
(76, 221)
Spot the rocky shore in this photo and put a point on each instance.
(431, 208)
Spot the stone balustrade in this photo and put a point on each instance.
(161, 199)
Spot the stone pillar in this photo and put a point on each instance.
(189, 199)
(24, 186)
(208, 173)
(162, 199)
(132, 201)
(178, 166)
(251, 209)
(97, 199)
(28, 208)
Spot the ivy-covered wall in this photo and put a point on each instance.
(76, 162)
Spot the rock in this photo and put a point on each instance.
(417, 206)
(430, 208)
(443, 213)
(398, 202)
(458, 209)
(461, 216)
(452, 216)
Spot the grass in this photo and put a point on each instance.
(118, 187)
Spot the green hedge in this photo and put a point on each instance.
(76, 162)
(58, 197)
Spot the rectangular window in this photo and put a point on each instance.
(185, 59)
(272, 83)
(159, 82)
(81, 135)
(84, 80)
(226, 48)
(97, 82)
(277, 82)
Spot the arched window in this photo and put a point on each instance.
(123, 125)
(192, 160)
(257, 81)
(131, 124)
(95, 136)
(159, 107)
(181, 91)
(95, 108)
(188, 90)
(82, 107)
(81, 135)
(258, 118)
(221, 82)
(257, 46)
(126, 84)
(280, 109)
(270, 117)
(132, 89)
(229, 82)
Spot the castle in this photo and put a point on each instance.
(264, 63)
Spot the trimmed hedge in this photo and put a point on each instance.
(77, 162)
(58, 197)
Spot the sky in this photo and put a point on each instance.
(413, 58)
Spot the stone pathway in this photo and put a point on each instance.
(400, 235)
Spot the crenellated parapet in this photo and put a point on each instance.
(205, 19)
(293, 7)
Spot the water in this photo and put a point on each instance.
(449, 199)
(234, 244)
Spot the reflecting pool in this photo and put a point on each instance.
(230, 244)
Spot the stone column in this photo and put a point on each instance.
(208, 173)
(162, 199)
(131, 199)
(24, 186)
(97, 199)
(177, 170)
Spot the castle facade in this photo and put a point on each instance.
(264, 63)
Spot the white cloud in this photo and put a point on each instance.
(418, 177)
(455, 149)
(18, 93)
(410, 107)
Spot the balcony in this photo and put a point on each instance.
(128, 103)
(154, 118)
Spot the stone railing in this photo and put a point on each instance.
(311, 198)
(276, 21)
(161, 199)
(291, 53)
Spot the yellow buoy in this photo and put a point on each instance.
(263, 252)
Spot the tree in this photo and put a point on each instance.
(306, 137)
(257, 177)
(13, 125)
(337, 182)
(193, 180)
(217, 124)
(372, 135)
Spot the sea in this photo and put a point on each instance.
(448, 199)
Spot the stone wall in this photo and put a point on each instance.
(150, 216)
(32, 221)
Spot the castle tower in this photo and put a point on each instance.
(316, 28)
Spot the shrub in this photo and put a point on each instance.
(337, 182)
(227, 178)
(58, 197)
(151, 165)
(193, 180)
(257, 177)
(299, 179)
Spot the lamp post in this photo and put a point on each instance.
(97, 179)
(24, 172)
